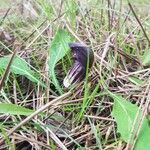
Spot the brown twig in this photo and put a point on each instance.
(35, 114)
(8, 68)
(109, 17)
(139, 22)
(5, 16)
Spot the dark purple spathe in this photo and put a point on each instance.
(82, 55)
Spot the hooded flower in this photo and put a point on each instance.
(83, 57)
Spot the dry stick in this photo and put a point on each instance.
(55, 138)
(119, 23)
(102, 12)
(36, 113)
(78, 139)
(100, 118)
(130, 74)
(106, 48)
(120, 51)
(125, 19)
(23, 138)
(120, 13)
(109, 20)
(58, 128)
(72, 32)
(130, 33)
(60, 7)
(37, 37)
(26, 38)
(139, 22)
(7, 69)
(5, 16)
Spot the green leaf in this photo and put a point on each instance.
(18, 66)
(135, 80)
(124, 113)
(13, 109)
(58, 49)
(146, 58)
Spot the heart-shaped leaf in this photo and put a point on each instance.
(124, 113)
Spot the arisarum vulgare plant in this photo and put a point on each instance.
(83, 57)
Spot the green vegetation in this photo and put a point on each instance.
(109, 109)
